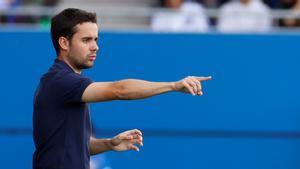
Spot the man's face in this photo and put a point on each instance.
(83, 46)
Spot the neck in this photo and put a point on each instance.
(63, 58)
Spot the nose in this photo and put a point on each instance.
(95, 47)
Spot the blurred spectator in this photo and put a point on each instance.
(212, 4)
(293, 19)
(50, 2)
(43, 21)
(4, 4)
(274, 4)
(209, 3)
(244, 16)
(189, 17)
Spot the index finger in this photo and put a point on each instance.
(203, 78)
(136, 131)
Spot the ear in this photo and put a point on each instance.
(63, 43)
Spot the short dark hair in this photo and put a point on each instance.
(63, 24)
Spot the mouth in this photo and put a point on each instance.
(92, 57)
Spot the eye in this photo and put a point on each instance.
(85, 40)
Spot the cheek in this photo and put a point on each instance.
(78, 50)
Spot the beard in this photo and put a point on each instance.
(81, 63)
(83, 66)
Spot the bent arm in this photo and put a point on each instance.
(125, 90)
(127, 140)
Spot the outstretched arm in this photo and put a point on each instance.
(122, 142)
(138, 89)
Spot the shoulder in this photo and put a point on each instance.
(71, 78)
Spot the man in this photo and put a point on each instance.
(244, 16)
(189, 17)
(61, 122)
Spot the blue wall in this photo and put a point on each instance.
(247, 118)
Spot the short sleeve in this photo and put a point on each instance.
(71, 87)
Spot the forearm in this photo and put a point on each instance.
(138, 89)
(99, 145)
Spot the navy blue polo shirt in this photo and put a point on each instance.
(61, 122)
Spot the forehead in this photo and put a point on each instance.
(86, 29)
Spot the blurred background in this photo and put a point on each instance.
(162, 15)
(248, 117)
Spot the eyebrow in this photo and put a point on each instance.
(89, 37)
